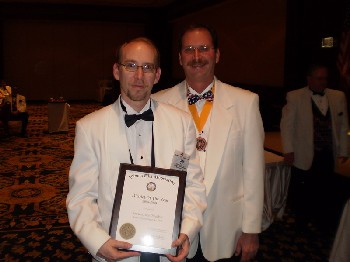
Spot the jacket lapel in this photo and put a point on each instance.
(220, 124)
(308, 115)
(116, 141)
(178, 96)
(332, 106)
(163, 142)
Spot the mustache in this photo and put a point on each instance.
(138, 82)
(197, 62)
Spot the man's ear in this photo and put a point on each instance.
(158, 73)
(116, 71)
(217, 56)
(180, 59)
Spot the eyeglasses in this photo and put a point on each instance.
(201, 49)
(132, 67)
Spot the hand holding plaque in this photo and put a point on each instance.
(183, 246)
(147, 207)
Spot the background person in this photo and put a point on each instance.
(13, 107)
(314, 128)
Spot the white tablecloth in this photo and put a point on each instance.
(277, 177)
(58, 117)
(341, 247)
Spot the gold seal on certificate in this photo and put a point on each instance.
(127, 231)
(151, 186)
(201, 144)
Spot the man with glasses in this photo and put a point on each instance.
(137, 130)
(230, 145)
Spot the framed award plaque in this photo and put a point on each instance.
(147, 207)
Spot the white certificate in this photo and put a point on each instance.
(147, 207)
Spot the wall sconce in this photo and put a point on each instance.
(327, 42)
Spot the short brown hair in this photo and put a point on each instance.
(144, 40)
(192, 27)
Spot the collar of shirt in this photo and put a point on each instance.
(131, 111)
(194, 92)
(320, 101)
(139, 136)
(312, 94)
(200, 103)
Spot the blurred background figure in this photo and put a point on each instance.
(314, 128)
(13, 108)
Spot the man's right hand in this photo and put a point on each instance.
(289, 158)
(110, 250)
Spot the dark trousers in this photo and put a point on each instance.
(200, 258)
(314, 194)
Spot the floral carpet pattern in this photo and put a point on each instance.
(33, 188)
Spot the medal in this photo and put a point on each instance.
(200, 120)
(201, 144)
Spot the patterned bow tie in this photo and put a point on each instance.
(192, 99)
(146, 116)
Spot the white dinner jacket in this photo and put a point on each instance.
(234, 167)
(101, 145)
(297, 125)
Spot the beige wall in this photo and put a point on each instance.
(61, 58)
(251, 39)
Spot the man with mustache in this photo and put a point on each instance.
(230, 145)
(138, 130)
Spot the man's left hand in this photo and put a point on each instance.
(247, 246)
(183, 244)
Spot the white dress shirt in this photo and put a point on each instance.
(139, 136)
(321, 102)
(206, 128)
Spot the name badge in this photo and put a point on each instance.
(180, 161)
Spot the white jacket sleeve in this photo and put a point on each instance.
(82, 208)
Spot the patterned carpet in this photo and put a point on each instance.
(33, 187)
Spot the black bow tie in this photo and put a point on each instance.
(322, 93)
(146, 116)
